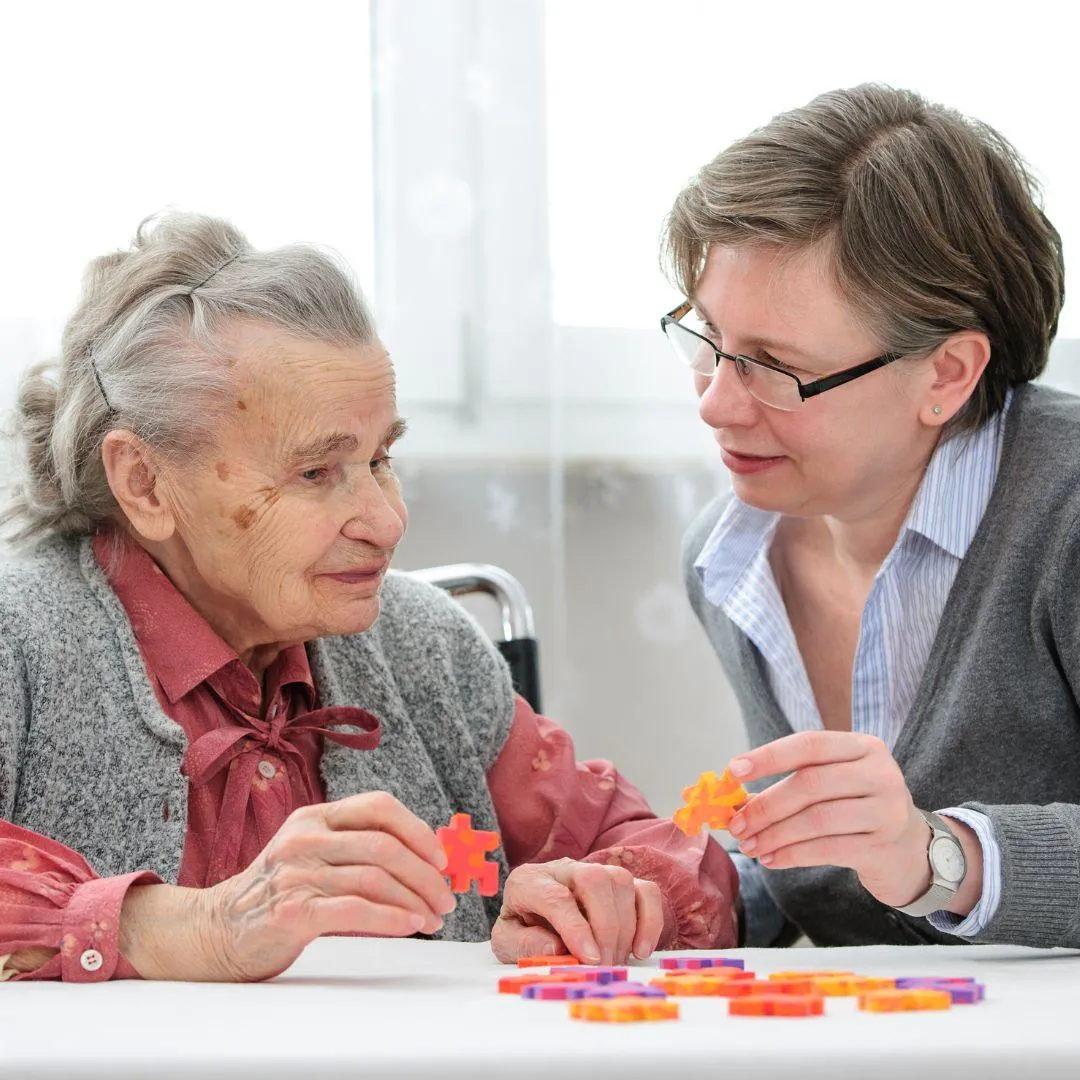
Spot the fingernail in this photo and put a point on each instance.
(766, 860)
(448, 905)
(740, 766)
(440, 859)
(436, 926)
(590, 954)
(748, 845)
(737, 826)
(417, 922)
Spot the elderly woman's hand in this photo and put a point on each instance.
(846, 803)
(600, 914)
(364, 864)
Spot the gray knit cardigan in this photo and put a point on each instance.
(88, 758)
(995, 725)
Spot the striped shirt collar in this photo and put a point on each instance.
(947, 509)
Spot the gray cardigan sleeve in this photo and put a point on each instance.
(1040, 845)
(14, 713)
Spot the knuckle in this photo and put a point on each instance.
(371, 881)
(551, 893)
(590, 875)
(380, 802)
(873, 745)
(812, 781)
(821, 818)
(647, 888)
(304, 817)
(381, 847)
(289, 847)
(620, 877)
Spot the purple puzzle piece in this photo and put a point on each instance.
(962, 990)
(549, 991)
(614, 990)
(695, 963)
(601, 975)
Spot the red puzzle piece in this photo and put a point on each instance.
(465, 848)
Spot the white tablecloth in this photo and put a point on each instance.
(374, 1008)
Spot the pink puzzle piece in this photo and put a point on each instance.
(465, 848)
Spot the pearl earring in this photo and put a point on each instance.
(936, 410)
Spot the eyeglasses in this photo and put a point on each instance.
(768, 383)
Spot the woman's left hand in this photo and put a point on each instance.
(600, 914)
(845, 804)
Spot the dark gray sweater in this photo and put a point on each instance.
(88, 758)
(995, 724)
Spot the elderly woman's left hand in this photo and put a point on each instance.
(845, 804)
(601, 914)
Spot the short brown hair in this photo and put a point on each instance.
(933, 221)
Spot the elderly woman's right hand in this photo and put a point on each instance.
(364, 864)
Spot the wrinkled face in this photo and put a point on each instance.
(284, 532)
(845, 453)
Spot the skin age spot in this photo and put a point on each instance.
(241, 405)
(222, 470)
(244, 517)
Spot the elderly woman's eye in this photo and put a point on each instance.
(381, 463)
(313, 476)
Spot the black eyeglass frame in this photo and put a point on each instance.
(806, 390)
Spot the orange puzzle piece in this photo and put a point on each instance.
(777, 1005)
(465, 848)
(514, 984)
(849, 985)
(623, 1010)
(712, 801)
(904, 1000)
(562, 960)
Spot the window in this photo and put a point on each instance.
(640, 95)
(114, 111)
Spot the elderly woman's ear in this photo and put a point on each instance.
(135, 479)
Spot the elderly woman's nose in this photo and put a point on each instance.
(723, 399)
(377, 519)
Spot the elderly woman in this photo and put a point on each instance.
(225, 727)
(891, 587)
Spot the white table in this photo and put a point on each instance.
(374, 1008)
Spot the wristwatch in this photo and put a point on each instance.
(947, 868)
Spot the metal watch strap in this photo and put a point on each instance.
(939, 893)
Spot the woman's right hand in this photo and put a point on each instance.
(364, 864)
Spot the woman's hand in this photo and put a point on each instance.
(845, 804)
(600, 914)
(364, 864)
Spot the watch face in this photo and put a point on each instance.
(947, 857)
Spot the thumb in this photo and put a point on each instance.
(510, 941)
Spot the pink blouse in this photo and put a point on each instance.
(253, 758)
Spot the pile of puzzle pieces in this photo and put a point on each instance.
(607, 994)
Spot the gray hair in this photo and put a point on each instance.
(143, 351)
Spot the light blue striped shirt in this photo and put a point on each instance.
(896, 633)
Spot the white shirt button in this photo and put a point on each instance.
(91, 960)
(267, 770)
